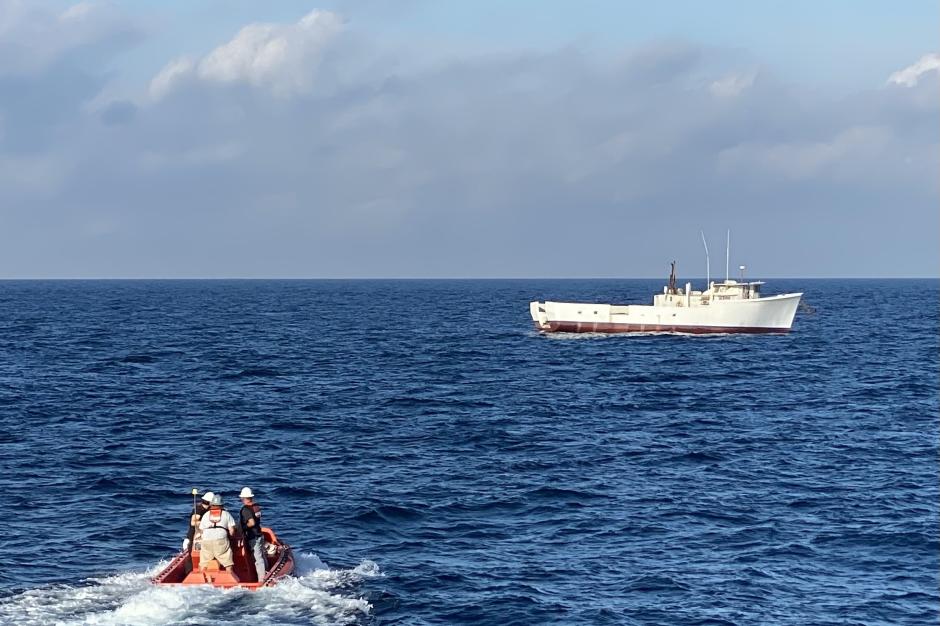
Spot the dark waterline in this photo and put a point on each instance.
(453, 466)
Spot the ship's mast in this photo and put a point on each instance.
(708, 268)
(728, 256)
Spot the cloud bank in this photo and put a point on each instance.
(308, 149)
(279, 57)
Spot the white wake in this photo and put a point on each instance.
(315, 594)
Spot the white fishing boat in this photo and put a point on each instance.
(730, 306)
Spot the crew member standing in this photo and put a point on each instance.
(198, 511)
(250, 522)
(191, 542)
(217, 527)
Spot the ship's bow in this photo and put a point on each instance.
(539, 316)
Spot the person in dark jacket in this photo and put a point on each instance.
(250, 522)
(198, 511)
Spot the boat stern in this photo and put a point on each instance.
(186, 569)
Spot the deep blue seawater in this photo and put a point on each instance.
(449, 465)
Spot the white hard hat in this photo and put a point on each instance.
(207, 496)
(246, 493)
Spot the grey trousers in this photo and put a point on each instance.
(256, 547)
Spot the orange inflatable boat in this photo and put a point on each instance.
(278, 556)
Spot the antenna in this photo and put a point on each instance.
(708, 268)
(728, 256)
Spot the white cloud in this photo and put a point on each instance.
(732, 85)
(78, 11)
(172, 72)
(281, 57)
(911, 74)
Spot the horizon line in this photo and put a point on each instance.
(429, 278)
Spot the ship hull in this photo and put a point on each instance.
(771, 315)
(613, 328)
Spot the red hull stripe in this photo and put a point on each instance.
(607, 327)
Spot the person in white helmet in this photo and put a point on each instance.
(217, 526)
(192, 534)
(250, 522)
(198, 511)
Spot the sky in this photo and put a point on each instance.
(346, 139)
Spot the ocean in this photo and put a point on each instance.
(434, 460)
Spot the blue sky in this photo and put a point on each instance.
(416, 138)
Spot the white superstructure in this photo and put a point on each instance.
(724, 307)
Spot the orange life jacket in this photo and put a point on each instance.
(215, 517)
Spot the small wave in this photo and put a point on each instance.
(410, 402)
(753, 573)
(804, 503)
(109, 485)
(317, 594)
(289, 491)
(253, 372)
(557, 493)
(388, 514)
(7, 437)
(789, 550)
(655, 583)
(908, 539)
(911, 595)
(697, 457)
(506, 505)
(291, 426)
(138, 359)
